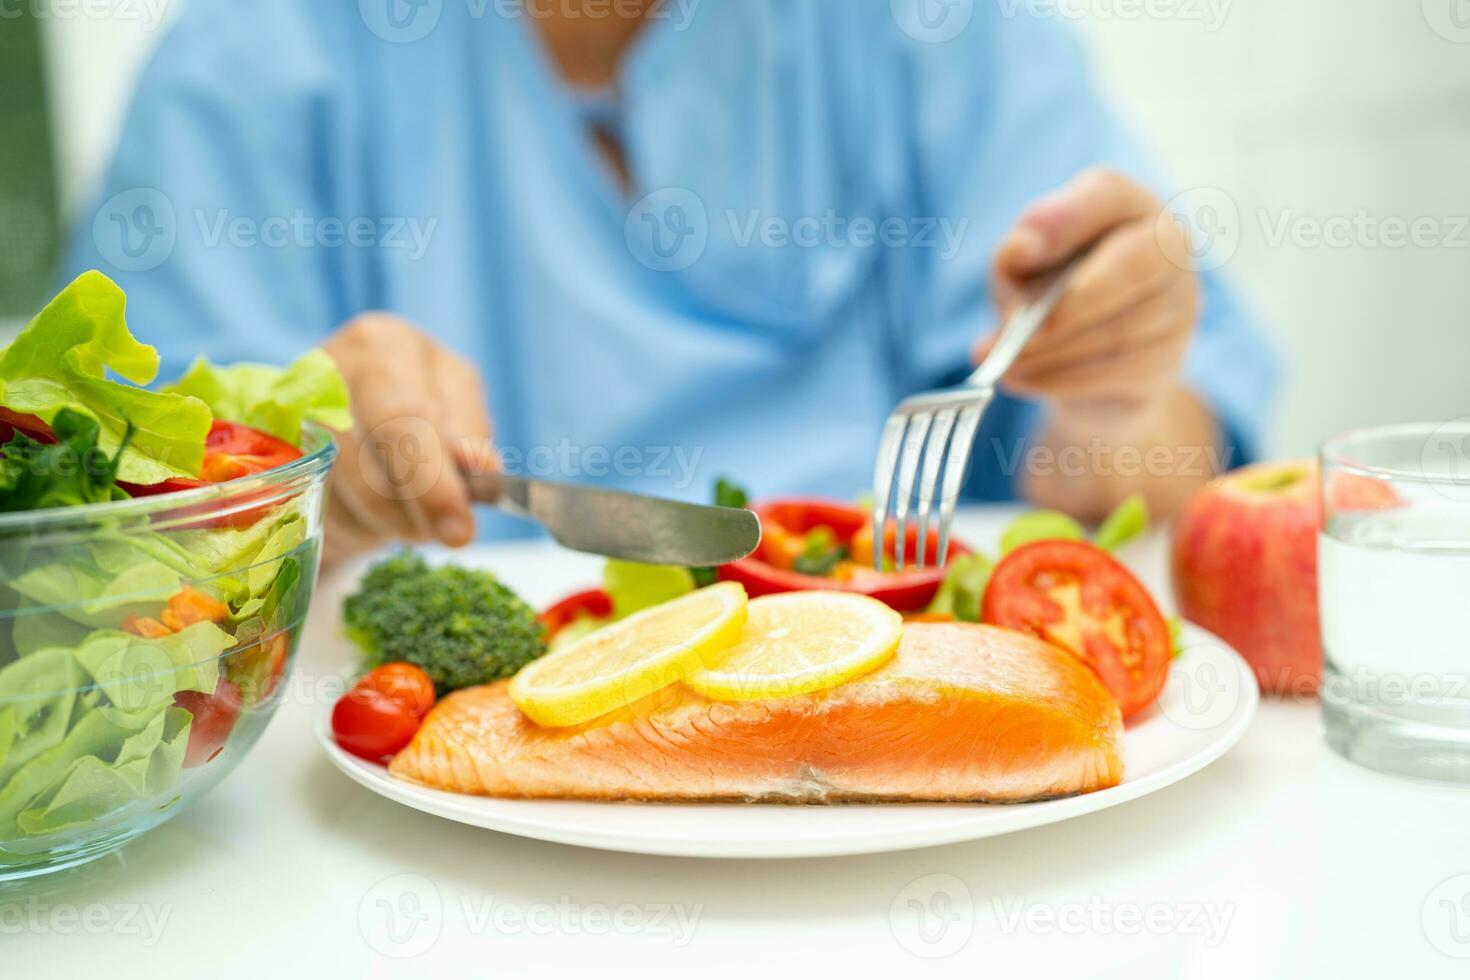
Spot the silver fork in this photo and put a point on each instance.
(938, 428)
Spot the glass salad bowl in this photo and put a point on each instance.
(144, 645)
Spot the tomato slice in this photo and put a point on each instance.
(1076, 596)
(594, 602)
(214, 719)
(783, 521)
(371, 725)
(403, 682)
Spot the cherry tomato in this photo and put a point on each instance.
(403, 682)
(593, 602)
(371, 725)
(768, 569)
(1076, 596)
(214, 719)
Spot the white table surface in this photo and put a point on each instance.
(1280, 860)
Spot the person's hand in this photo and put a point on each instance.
(1114, 343)
(420, 415)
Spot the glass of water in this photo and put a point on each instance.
(1394, 585)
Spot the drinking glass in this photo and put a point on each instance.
(1394, 587)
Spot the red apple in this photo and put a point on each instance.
(1245, 564)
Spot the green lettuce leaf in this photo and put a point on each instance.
(271, 399)
(68, 473)
(61, 360)
(963, 588)
(1040, 525)
(635, 586)
(1127, 521)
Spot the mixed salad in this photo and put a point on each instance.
(133, 645)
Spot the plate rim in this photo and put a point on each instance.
(464, 808)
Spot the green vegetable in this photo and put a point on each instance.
(462, 626)
(963, 588)
(634, 586)
(820, 552)
(1176, 635)
(70, 472)
(728, 494)
(1127, 521)
(271, 399)
(1040, 525)
(60, 361)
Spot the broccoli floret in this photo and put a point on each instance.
(462, 626)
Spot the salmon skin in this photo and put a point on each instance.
(962, 712)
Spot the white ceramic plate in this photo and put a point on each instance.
(1204, 710)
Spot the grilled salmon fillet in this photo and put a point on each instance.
(962, 712)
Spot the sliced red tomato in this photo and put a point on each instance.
(214, 719)
(1078, 597)
(785, 521)
(371, 725)
(403, 682)
(13, 422)
(594, 602)
(231, 450)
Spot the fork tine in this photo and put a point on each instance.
(929, 482)
(883, 472)
(913, 447)
(954, 474)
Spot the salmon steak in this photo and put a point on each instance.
(962, 712)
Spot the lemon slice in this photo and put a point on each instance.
(631, 658)
(798, 642)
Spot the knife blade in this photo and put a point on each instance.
(623, 525)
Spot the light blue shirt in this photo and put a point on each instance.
(817, 190)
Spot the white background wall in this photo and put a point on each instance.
(1309, 115)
